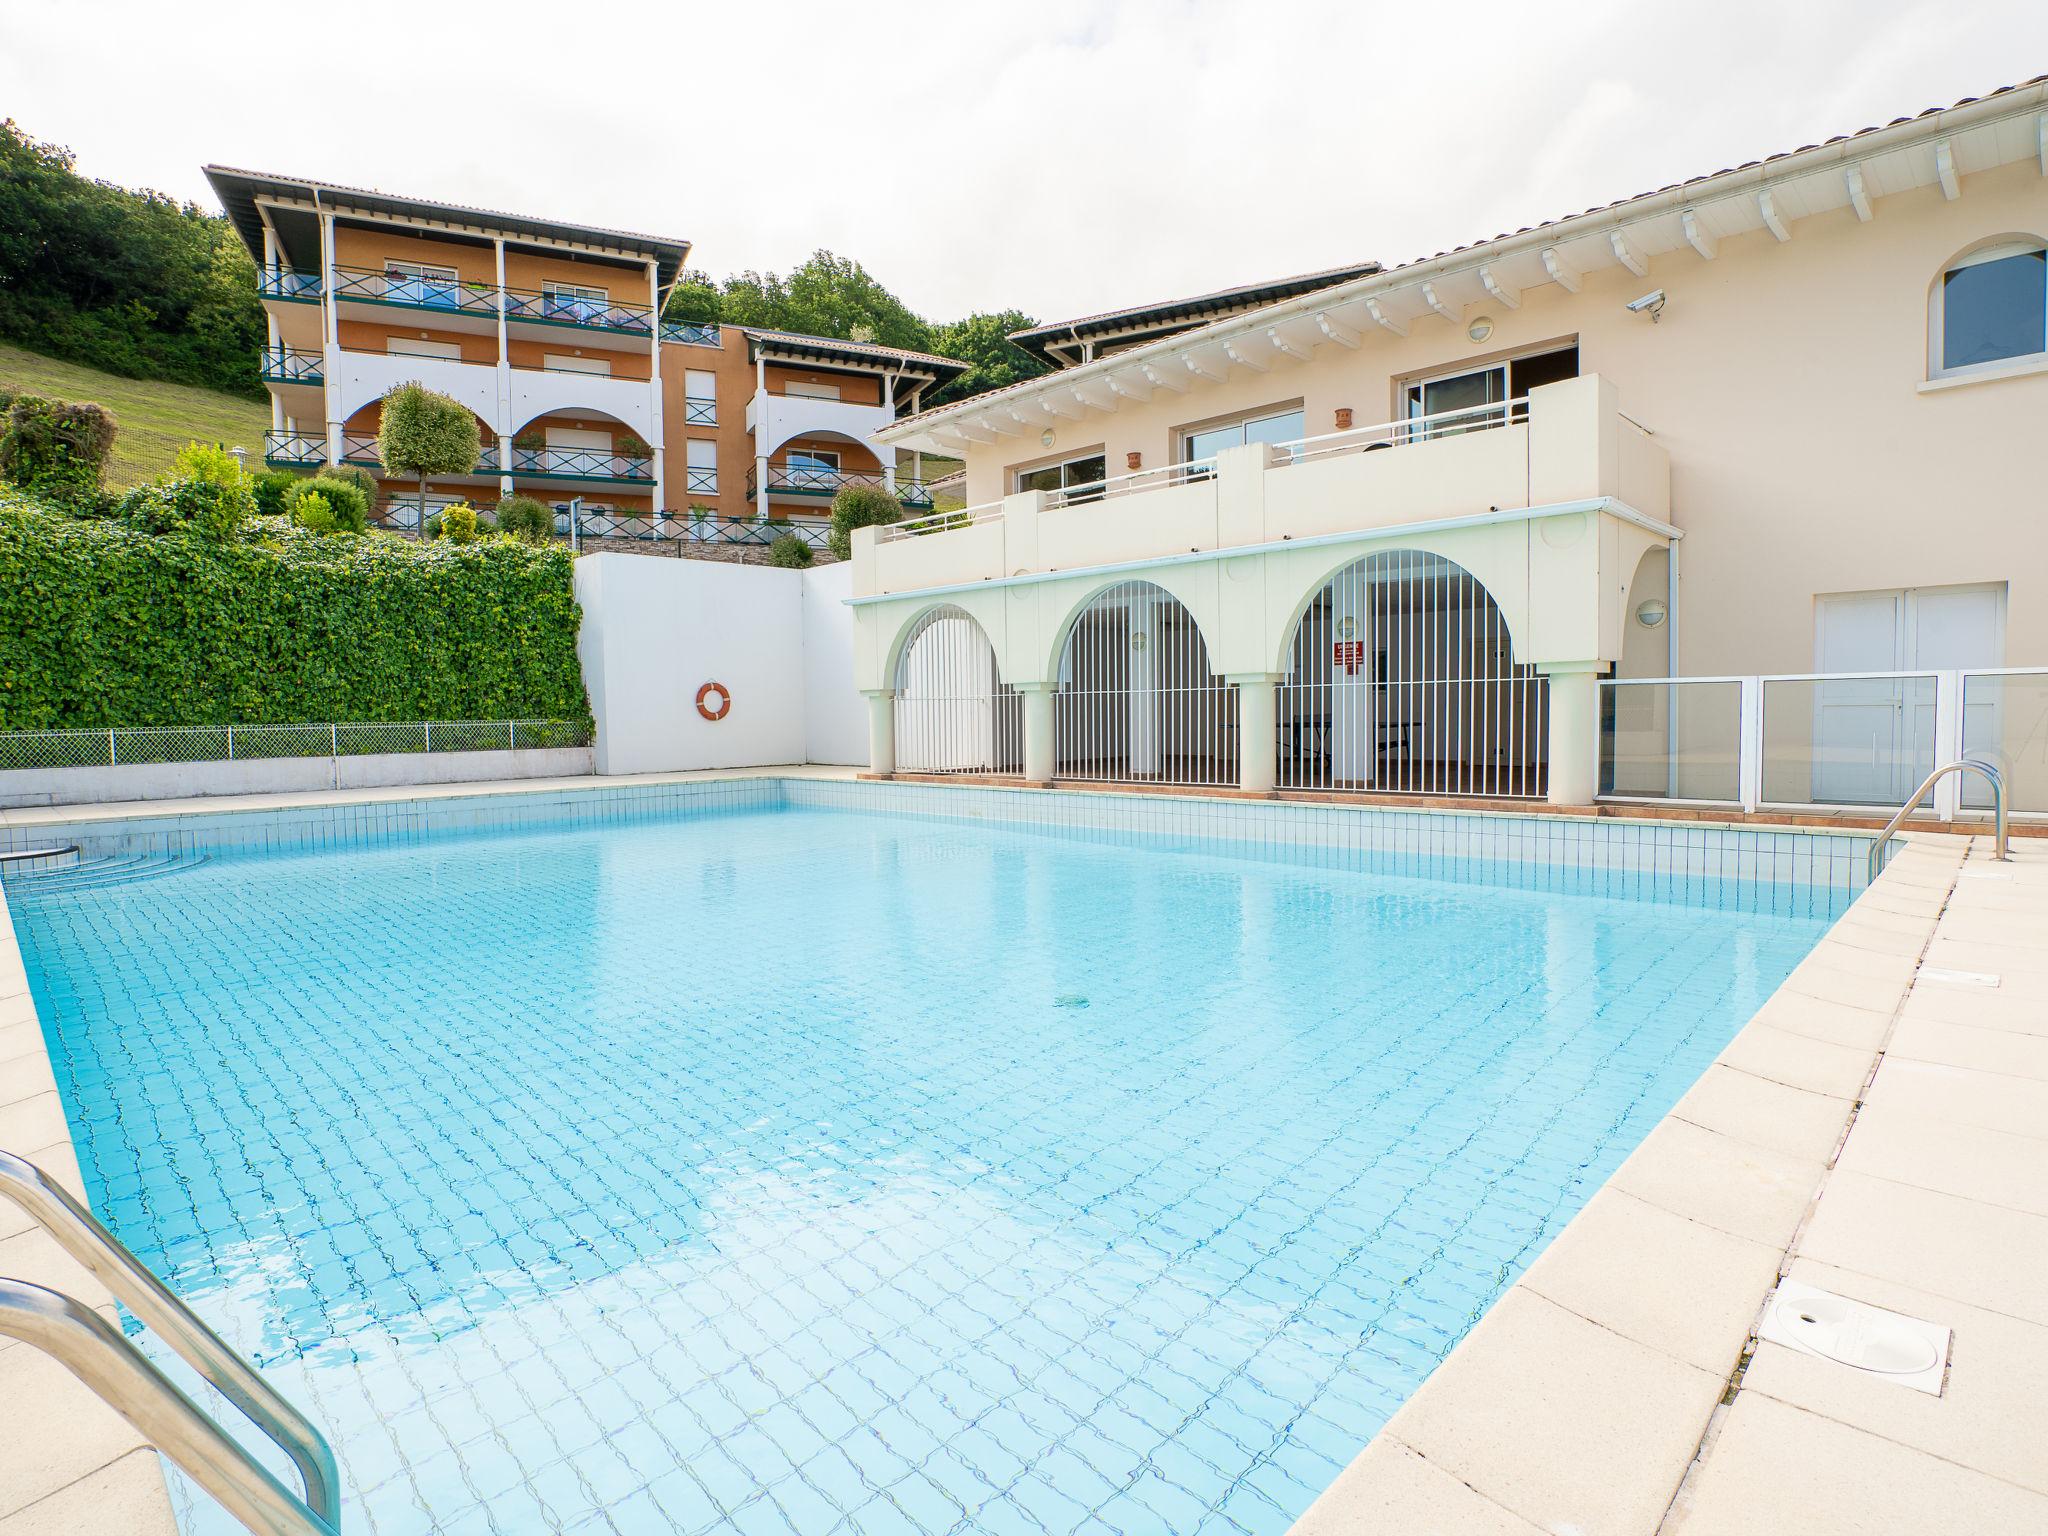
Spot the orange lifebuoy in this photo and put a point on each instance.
(716, 691)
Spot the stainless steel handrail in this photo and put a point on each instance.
(1991, 776)
(216, 1462)
(94, 1351)
(54, 851)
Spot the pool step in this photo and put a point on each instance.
(97, 873)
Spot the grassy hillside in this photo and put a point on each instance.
(156, 419)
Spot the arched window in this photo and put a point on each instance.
(1990, 308)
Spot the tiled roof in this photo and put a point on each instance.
(946, 365)
(1279, 287)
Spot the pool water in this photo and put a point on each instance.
(811, 1171)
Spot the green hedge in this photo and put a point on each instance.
(103, 625)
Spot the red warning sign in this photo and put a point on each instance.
(1348, 654)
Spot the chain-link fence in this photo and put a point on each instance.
(229, 743)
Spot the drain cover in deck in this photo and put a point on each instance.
(1882, 1344)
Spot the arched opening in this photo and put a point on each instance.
(1138, 701)
(1402, 680)
(954, 713)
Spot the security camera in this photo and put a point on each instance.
(1651, 303)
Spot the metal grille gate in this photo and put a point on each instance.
(954, 714)
(1401, 681)
(1137, 700)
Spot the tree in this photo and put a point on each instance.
(694, 300)
(132, 282)
(982, 341)
(424, 434)
(859, 506)
(826, 296)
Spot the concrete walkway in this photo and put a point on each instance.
(1880, 1130)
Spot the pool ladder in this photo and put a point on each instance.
(1991, 776)
(96, 1352)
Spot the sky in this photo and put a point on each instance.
(1052, 156)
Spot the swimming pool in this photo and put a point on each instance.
(814, 1170)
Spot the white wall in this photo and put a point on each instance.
(656, 630)
(835, 716)
(281, 775)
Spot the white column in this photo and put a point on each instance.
(330, 365)
(761, 453)
(884, 452)
(1258, 731)
(655, 436)
(1039, 766)
(881, 731)
(503, 425)
(1574, 746)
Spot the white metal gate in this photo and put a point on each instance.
(1401, 681)
(1138, 701)
(954, 714)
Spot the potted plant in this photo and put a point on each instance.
(633, 448)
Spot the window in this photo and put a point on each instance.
(1269, 427)
(574, 301)
(810, 391)
(811, 469)
(1991, 306)
(411, 282)
(700, 397)
(1069, 475)
(406, 346)
(700, 460)
(559, 363)
(1473, 390)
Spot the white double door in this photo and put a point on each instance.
(1874, 737)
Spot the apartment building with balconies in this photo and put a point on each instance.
(550, 332)
(1412, 530)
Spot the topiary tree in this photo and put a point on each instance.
(56, 450)
(789, 552)
(423, 433)
(860, 506)
(525, 518)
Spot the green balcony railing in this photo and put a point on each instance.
(291, 365)
(454, 296)
(690, 333)
(812, 480)
(700, 413)
(284, 283)
(292, 449)
(584, 464)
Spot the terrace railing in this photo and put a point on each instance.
(284, 283)
(455, 296)
(690, 333)
(238, 743)
(941, 522)
(1410, 429)
(583, 464)
(294, 448)
(1132, 484)
(700, 413)
(806, 480)
(1840, 740)
(291, 365)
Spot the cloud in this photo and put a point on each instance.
(1061, 157)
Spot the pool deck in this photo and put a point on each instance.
(1878, 1129)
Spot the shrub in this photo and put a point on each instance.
(431, 528)
(54, 450)
(789, 552)
(213, 464)
(100, 626)
(422, 433)
(312, 511)
(272, 488)
(362, 480)
(193, 504)
(341, 500)
(525, 518)
(860, 506)
(458, 524)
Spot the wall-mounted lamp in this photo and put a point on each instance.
(1045, 438)
(1651, 612)
(1480, 329)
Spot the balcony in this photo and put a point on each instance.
(294, 450)
(584, 465)
(452, 299)
(806, 482)
(690, 333)
(1566, 448)
(290, 365)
